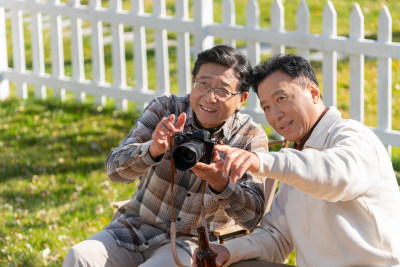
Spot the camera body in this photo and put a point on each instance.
(190, 148)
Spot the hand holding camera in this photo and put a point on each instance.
(162, 133)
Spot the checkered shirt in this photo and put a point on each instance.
(145, 220)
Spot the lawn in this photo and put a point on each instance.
(53, 188)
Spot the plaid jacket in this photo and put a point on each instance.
(145, 220)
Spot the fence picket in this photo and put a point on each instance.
(78, 73)
(229, 18)
(140, 54)
(4, 85)
(384, 74)
(357, 67)
(38, 51)
(303, 25)
(97, 46)
(277, 23)
(183, 50)
(162, 61)
(57, 51)
(329, 66)
(118, 54)
(19, 50)
(203, 16)
(253, 48)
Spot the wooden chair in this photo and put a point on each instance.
(226, 233)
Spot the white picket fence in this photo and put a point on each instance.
(202, 28)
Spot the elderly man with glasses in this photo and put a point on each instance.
(139, 233)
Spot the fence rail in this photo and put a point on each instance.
(203, 30)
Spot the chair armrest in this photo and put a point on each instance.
(118, 204)
(229, 231)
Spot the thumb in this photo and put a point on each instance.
(180, 122)
(216, 156)
(194, 258)
(219, 260)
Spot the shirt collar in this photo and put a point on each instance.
(302, 142)
(322, 130)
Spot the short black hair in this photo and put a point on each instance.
(231, 58)
(295, 66)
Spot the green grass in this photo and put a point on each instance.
(53, 188)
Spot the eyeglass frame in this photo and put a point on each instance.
(215, 90)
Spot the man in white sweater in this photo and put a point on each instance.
(338, 203)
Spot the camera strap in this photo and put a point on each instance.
(173, 225)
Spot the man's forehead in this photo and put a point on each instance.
(216, 76)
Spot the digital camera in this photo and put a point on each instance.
(190, 148)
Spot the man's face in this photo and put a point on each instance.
(210, 111)
(290, 109)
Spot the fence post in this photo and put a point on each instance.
(385, 75)
(329, 65)
(4, 85)
(203, 16)
(357, 67)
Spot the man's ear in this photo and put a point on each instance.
(315, 92)
(243, 97)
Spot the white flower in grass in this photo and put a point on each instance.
(46, 253)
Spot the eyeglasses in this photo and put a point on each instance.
(220, 94)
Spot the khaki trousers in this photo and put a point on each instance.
(102, 250)
(257, 263)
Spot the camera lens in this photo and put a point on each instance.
(187, 155)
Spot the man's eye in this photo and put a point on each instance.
(266, 108)
(223, 91)
(281, 98)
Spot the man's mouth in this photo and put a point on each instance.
(207, 109)
(283, 127)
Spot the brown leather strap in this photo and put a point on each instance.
(173, 226)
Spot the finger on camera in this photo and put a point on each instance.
(216, 156)
(180, 122)
(224, 148)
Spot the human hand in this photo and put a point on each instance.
(236, 162)
(162, 133)
(221, 252)
(211, 174)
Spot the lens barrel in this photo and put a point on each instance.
(188, 154)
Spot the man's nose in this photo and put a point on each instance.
(211, 95)
(278, 114)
